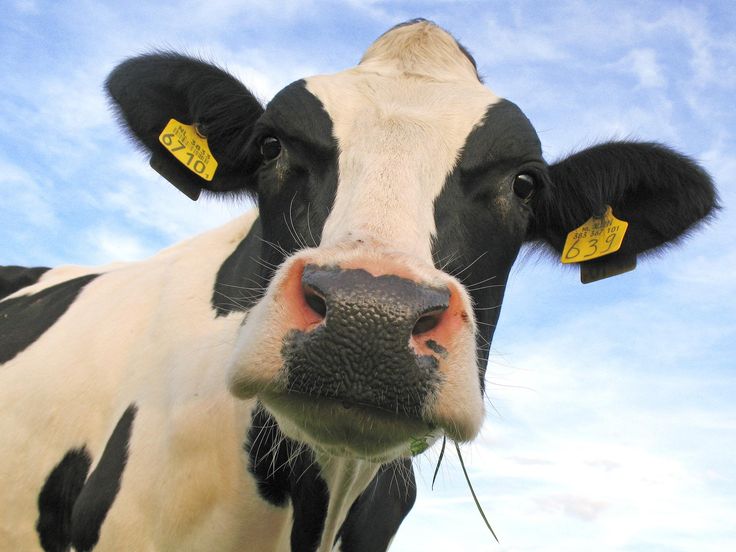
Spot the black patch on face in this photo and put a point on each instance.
(99, 493)
(283, 470)
(296, 192)
(13, 278)
(481, 224)
(240, 282)
(361, 353)
(375, 516)
(57, 498)
(24, 319)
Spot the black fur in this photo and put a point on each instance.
(659, 192)
(150, 89)
(241, 280)
(57, 497)
(13, 278)
(294, 201)
(286, 470)
(375, 517)
(477, 240)
(100, 490)
(24, 319)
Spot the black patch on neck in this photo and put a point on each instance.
(478, 238)
(285, 469)
(13, 278)
(375, 516)
(240, 282)
(24, 319)
(57, 498)
(99, 493)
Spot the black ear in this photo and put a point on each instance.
(662, 194)
(150, 90)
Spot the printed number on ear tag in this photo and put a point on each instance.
(191, 149)
(599, 236)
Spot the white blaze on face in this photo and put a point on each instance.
(400, 118)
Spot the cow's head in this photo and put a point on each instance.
(394, 198)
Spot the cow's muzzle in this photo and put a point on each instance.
(375, 343)
(361, 350)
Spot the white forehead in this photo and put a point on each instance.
(401, 119)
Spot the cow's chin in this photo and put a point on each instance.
(337, 428)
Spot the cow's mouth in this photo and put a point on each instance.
(345, 428)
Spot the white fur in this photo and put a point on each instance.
(145, 333)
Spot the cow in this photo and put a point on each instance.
(263, 386)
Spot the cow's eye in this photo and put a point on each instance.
(270, 148)
(524, 186)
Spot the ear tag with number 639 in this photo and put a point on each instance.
(190, 148)
(597, 237)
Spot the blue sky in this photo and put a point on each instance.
(612, 415)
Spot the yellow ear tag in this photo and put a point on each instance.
(190, 148)
(599, 236)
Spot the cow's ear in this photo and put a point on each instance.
(662, 195)
(150, 90)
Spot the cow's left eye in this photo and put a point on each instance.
(270, 148)
(524, 186)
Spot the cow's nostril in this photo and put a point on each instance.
(315, 302)
(427, 322)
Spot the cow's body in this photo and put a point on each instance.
(186, 483)
(259, 386)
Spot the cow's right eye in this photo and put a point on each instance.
(270, 148)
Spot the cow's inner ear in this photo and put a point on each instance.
(211, 107)
(661, 194)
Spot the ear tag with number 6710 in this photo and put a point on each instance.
(190, 148)
(597, 237)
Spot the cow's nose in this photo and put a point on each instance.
(370, 340)
(388, 301)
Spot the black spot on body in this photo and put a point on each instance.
(13, 278)
(100, 490)
(285, 469)
(57, 498)
(375, 516)
(24, 319)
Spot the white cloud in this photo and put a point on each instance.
(26, 6)
(642, 62)
(26, 195)
(108, 245)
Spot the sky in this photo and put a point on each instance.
(611, 419)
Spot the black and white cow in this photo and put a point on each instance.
(258, 387)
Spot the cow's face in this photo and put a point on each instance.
(394, 198)
(415, 207)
